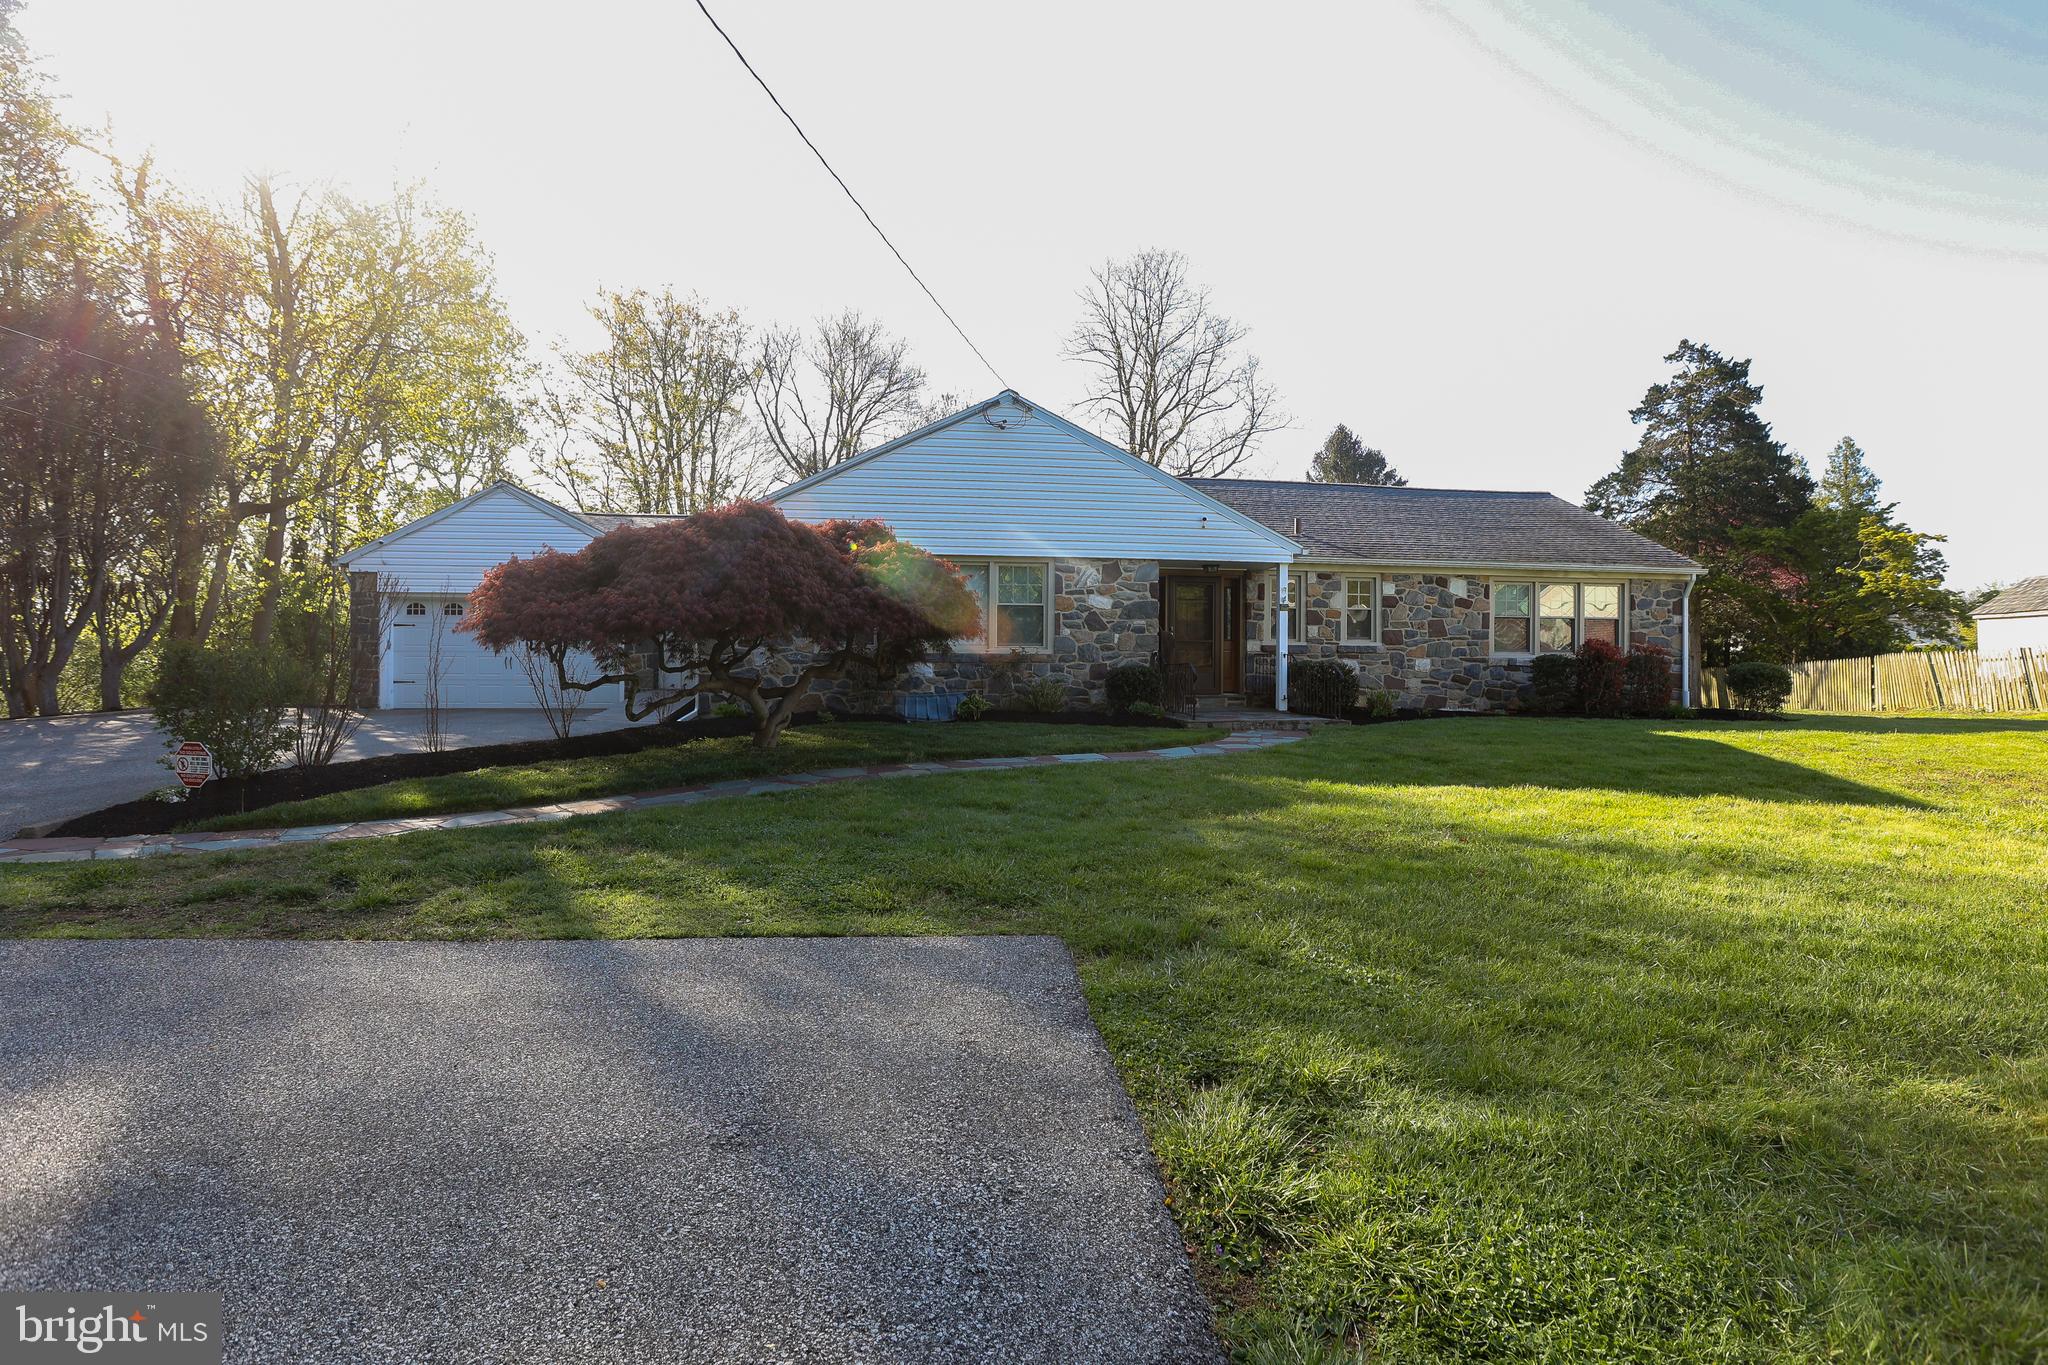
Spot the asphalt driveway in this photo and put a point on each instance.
(62, 766)
(704, 1150)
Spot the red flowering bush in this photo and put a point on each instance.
(1601, 675)
(1647, 686)
(698, 597)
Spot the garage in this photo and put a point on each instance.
(428, 653)
(409, 592)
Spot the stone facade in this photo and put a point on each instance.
(1434, 650)
(364, 616)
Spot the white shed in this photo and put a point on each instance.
(2016, 619)
(424, 573)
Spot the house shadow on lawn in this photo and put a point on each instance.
(1581, 755)
(1925, 725)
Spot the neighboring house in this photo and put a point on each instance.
(1085, 557)
(2016, 619)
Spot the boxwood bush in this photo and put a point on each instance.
(1760, 686)
(1322, 687)
(1129, 685)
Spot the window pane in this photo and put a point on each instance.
(1602, 599)
(1560, 599)
(1020, 626)
(1021, 584)
(1511, 599)
(1358, 623)
(1603, 628)
(976, 576)
(1557, 634)
(1297, 599)
(1511, 634)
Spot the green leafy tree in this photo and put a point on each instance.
(1708, 479)
(1343, 458)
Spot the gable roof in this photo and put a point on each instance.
(1205, 504)
(2028, 597)
(534, 500)
(1443, 526)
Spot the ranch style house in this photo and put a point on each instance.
(1085, 557)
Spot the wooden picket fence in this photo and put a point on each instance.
(1931, 680)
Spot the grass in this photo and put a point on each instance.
(1523, 1039)
(704, 760)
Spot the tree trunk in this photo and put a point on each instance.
(271, 573)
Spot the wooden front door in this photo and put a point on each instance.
(1204, 614)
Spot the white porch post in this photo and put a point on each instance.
(1280, 611)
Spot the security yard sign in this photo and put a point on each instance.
(193, 763)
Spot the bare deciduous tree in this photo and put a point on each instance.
(826, 396)
(1169, 382)
(656, 419)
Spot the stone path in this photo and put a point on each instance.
(77, 850)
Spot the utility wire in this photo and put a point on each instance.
(67, 346)
(88, 431)
(851, 195)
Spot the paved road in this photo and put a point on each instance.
(68, 765)
(712, 1150)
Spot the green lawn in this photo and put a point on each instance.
(706, 760)
(1490, 1039)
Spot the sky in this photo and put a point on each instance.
(1468, 229)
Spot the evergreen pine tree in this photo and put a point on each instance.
(1344, 458)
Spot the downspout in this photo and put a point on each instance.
(1280, 608)
(1685, 645)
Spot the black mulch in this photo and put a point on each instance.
(227, 796)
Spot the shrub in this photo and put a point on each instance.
(1130, 685)
(1379, 705)
(1151, 710)
(1760, 686)
(1599, 678)
(235, 701)
(1647, 682)
(1554, 684)
(1322, 687)
(1046, 695)
(972, 707)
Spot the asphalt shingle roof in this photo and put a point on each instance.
(2028, 597)
(1448, 526)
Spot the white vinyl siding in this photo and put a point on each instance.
(452, 555)
(1030, 489)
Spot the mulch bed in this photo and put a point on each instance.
(230, 796)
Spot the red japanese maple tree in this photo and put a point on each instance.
(696, 603)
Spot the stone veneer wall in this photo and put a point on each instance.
(1435, 645)
(363, 616)
(1105, 612)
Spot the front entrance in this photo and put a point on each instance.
(1204, 629)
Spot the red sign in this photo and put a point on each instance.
(193, 763)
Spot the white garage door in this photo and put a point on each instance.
(423, 629)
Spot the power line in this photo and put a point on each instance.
(67, 346)
(852, 196)
(88, 431)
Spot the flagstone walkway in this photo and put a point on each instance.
(77, 850)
